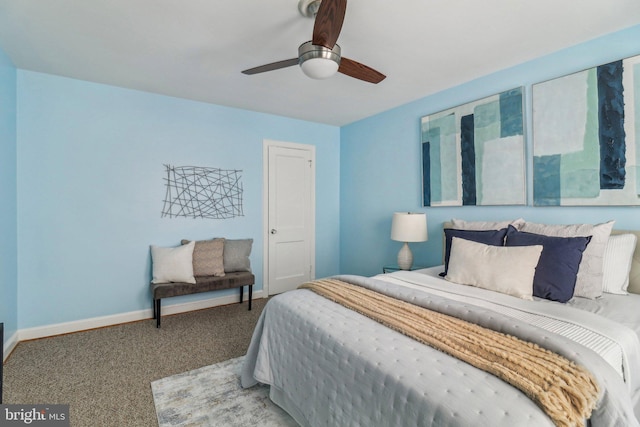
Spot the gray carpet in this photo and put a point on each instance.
(105, 374)
(211, 396)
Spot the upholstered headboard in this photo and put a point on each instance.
(634, 275)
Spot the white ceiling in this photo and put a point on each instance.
(196, 49)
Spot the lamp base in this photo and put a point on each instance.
(405, 257)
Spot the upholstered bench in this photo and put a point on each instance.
(238, 279)
(201, 266)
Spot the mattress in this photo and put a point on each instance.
(328, 365)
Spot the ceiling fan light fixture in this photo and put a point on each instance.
(318, 62)
(319, 68)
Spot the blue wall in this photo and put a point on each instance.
(381, 167)
(86, 189)
(8, 217)
(90, 185)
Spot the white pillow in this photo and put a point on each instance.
(618, 256)
(173, 264)
(589, 279)
(461, 224)
(506, 269)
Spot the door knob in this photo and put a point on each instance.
(274, 231)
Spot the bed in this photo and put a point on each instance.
(330, 365)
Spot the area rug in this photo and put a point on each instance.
(212, 396)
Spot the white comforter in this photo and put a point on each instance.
(328, 365)
(616, 344)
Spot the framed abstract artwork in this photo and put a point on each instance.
(473, 154)
(586, 128)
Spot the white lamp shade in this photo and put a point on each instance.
(319, 68)
(409, 227)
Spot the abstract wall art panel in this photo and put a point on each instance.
(202, 192)
(474, 154)
(586, 128)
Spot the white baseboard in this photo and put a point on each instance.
(206, 303)
(9, 345)
(115, 319)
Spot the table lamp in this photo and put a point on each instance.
(408, 227)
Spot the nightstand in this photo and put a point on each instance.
(392, 268)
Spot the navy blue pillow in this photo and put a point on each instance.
(555, 277)
(488, 237)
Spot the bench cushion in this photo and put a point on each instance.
(203, 284)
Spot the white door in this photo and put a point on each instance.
(289, 226)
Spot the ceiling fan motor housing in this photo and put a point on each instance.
(318, 62)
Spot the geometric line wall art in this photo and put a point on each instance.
(201, 192)
(474, 154)
(586, 132)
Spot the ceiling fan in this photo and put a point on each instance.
(320, 57)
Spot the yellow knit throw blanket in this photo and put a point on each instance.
(565, 391)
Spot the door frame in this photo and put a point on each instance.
(266, 143)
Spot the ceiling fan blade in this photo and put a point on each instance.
(328, 23)
(272, 66)
(360, 71)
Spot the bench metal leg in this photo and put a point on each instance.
(250, 294)
(156, 311)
